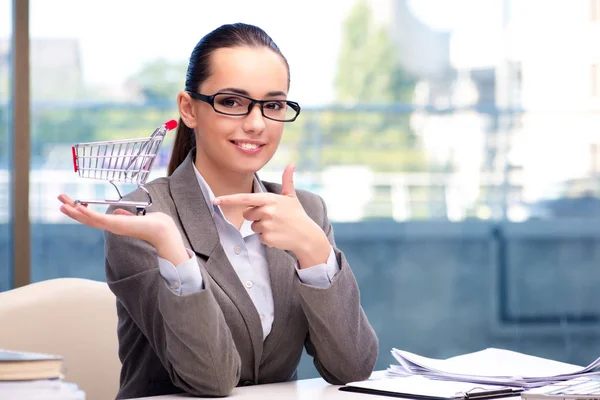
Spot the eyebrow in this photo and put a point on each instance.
(245, 92)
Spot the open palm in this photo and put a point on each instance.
(149, 227)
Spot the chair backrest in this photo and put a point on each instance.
(75, 318)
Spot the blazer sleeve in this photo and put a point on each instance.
(340, 339)
(188, 333)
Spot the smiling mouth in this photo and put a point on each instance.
(248, 146)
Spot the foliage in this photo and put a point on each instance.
(159, 80)
(369, 71)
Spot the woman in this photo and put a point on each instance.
(227, 277)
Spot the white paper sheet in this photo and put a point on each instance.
(493, 366)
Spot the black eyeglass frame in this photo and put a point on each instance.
(211, 100)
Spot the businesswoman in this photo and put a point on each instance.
(227, 277)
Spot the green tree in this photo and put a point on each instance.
(369, 71)
(160, 80)
(369, 68)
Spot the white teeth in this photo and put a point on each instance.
(249, 146)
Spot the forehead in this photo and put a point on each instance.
(256, 70)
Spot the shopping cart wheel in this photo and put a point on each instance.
(140, 211)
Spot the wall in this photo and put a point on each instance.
(434, 288)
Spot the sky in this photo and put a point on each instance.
(117, 37)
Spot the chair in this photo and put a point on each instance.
(71, 317)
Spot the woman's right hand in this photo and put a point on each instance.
(156, 228)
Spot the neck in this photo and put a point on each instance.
(223, 182)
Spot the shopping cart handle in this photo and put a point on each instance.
(172, 124)
(75, 166)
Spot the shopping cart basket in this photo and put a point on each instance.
(126, 161)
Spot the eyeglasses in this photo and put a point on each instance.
(237, 105)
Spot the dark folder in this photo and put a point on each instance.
(416, 387)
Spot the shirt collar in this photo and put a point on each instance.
(209, 196)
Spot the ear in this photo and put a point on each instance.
(186, 109)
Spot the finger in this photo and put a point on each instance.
(252, 213)
(258, 226)
(287, 181)
(112, 223)
(265, 212)
(66, 200)
(245, 199)
(120, 211)
(75, 213)
(266, 239)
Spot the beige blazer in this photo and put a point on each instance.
(208, 342)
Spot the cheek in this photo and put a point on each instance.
(275, 133)
(212, 127)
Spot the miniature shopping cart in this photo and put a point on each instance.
(126, 161)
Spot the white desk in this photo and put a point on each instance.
(306, 389)
(310, 389)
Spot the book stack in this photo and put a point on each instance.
(33, 376)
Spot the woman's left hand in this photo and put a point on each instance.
(281, 221)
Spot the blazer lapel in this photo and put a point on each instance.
(193, 211)
(281, 271)
(221, 270)
(203, 237)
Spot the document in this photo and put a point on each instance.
(419, 387)
(490, 366)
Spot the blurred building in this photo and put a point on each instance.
(56, 71)
(424, 52)
(553, 77)
(528, 90)
(560, 90)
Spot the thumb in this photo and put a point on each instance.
(287, 181)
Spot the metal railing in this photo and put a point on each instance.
(378, 195)
(396, 161)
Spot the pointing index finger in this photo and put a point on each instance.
(246, 199)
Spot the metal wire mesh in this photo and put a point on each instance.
(128, 161)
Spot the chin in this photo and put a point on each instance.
(248, 167)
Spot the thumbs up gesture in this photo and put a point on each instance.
(281, 221)
(287, 181)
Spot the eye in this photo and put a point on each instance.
(275, 105)
(229, 102)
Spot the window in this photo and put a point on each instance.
(595, 80)
(6, 273)
(374, 153)
(594, 10)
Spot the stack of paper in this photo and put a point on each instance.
(47, 389)
(490, 366)
(34, 376)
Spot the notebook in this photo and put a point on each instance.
(19, 365)
(419, 387)
(587, 388)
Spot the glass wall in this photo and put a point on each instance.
(6, 272)
(457, 150)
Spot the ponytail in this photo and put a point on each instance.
(185, 141)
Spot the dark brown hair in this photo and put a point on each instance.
(226, 36)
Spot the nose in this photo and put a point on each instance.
(254, 122)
